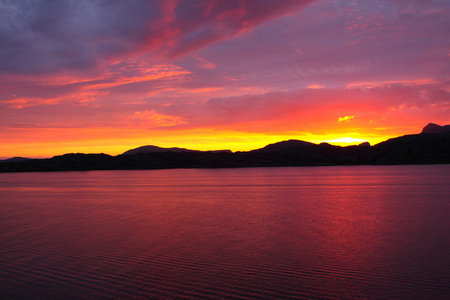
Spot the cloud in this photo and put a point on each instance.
(309, 108)
(153, 119)
(83, 36)
(133, 77)
(315, 86)
(388, 41)
(345, 119)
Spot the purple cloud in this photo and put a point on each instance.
(51, 36)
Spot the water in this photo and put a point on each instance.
(360, 232)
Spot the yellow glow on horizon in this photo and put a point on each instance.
(346, 141)
(48, 142)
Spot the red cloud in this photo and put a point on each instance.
(307, 108)
(218, 20)
(81, 36)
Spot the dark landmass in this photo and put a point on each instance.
(156, 149)
(14, 159)
(432, 146)
(434, 128)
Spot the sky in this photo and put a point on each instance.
(105, 76)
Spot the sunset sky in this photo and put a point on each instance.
(107, 76)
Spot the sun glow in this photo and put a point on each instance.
(345, 141)
(48, 142)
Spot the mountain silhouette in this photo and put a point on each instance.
(287, 146)
(431, 146)
(434, 128)
(14, 159)
(155, 149)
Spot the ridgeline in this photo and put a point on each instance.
(432, 146)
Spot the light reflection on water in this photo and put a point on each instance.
(321, 232)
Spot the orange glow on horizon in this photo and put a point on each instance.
(42, 143)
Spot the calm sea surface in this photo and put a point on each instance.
(360, 232)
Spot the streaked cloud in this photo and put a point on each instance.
(153, 119)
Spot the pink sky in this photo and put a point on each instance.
(107, 76)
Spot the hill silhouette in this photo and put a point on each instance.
(434, 128)
(432, 146)
(155, 149)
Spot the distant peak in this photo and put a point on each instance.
(290, 145)
(435, 128)
(15, 159)
(364, 144)
(155, 149)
